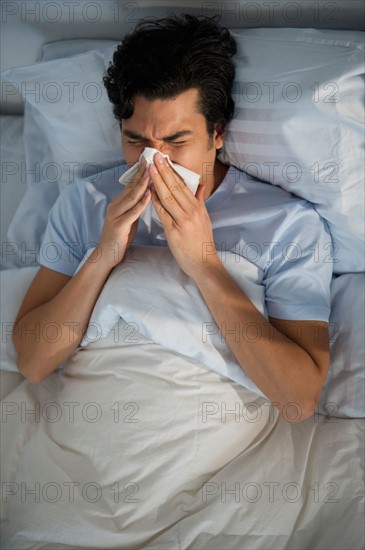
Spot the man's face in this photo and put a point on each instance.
(174, 127)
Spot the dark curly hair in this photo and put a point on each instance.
(162, 58)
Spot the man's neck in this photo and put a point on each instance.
(220, 171)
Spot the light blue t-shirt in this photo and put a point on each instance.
(277, 231)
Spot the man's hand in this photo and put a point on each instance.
(184, 217)
(122, 215)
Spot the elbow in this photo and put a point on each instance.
(296, 412)
(36, 370)
(296, 408)
(29, 372)
(28, 366)
(23, 364)
(304, 415)
(33, 378)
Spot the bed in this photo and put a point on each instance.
(148, 436)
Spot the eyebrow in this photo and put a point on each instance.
(171, 137)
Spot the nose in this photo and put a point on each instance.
(162, 148)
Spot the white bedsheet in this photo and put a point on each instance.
(135, 446)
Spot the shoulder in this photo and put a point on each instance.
(267, 210)
(258, 194)
(269, 196)
(103, 185)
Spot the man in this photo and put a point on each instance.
(170, 84)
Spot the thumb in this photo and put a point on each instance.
(200, 192)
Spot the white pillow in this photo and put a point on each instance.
(13, 186)
(287, 140)
(299, 119)
(344, 392)
(65, 48)
(58, 149)
(27, 227)
(72, 109)
(13, 286)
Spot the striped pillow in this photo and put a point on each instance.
(299, 124)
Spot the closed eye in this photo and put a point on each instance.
(140, 142)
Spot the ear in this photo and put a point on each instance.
(219, 136)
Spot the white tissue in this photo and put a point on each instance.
(190, 178)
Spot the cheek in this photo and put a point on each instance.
(192, 157)
(131, 153)
(198, 159)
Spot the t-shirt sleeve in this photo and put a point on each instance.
(62, 247)
(299, 271)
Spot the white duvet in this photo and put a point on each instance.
(135, 444)
(157, 299)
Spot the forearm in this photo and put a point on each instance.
(282, 370)
(50, 333)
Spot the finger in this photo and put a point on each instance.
(135, 180)
(165, 197)
(130, 195)
(199, 195)
(138, 174)
(164, 216)
(136, 210)
(161, 162)
(175, 184)
(140, 180)
(173, 202)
